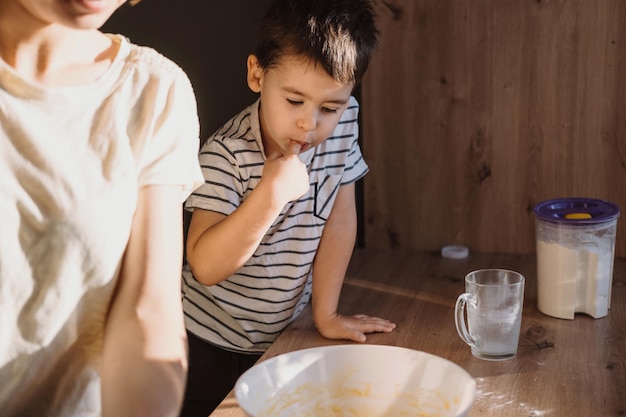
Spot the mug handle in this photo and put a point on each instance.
(459, 318)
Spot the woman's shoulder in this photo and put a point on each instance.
(147, 60)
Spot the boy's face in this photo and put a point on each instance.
(299, 102)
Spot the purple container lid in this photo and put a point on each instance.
(576, 211)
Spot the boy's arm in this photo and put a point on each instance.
(218, 245)
(329, 268)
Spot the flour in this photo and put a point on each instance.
(573, 280)
(344, 393)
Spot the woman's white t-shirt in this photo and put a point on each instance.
(72, 160)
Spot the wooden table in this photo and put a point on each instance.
(562, 368)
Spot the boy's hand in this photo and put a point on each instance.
(353, 327)
(285, 175)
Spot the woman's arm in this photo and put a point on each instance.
(329, 268)
(144, 360)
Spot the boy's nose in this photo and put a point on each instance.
(307, 122)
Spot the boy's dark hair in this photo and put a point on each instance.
(339, 35)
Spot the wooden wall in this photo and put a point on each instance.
(476, 110)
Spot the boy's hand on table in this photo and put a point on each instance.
(353, 327)
(286, 175)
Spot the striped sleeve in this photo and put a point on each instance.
(222, 190)
(355, 165)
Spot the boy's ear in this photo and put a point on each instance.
(255, 73)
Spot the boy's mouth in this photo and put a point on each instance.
(304, 145)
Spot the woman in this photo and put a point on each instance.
(98, 149)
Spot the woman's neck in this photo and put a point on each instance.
(54, 55)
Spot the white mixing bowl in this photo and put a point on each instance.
(357, 381)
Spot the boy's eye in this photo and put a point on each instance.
(329, 110)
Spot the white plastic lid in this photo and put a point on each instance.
(454, 252)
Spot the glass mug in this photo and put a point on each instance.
(493, 302)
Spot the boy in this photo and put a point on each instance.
(274, 225)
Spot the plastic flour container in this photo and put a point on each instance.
(575, 251)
